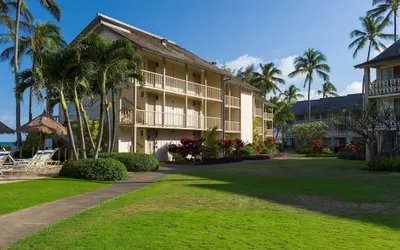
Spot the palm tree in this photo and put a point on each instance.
(391, 7)
(371, 33)
(312, 61)
(105, 56)
(328, 89)
(246, 74)
(268, 80)
(45, 37)
(291, 95)
(55, 10)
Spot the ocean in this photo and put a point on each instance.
(6, 144)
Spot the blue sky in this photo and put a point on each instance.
(231, 31)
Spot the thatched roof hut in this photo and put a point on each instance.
(4, 129)
(44, 124)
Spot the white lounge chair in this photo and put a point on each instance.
(42, 161)
(3, 157)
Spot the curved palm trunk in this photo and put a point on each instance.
(108, 127)
(16, 71)
(80, 127)
(69, 128)
(309, 100)
(114, 119)
(30, 102)
(85, 120)
(102, 110)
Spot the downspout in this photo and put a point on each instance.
(223, 104)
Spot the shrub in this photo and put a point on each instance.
(280, 147)
(270, 142)
(327, 151)
(320, 155)
(316, 146)
(225, 145)
(95, 169)
(135, 162)
(269, 151)
(346, 155)
(304, 150)
(192, 146)
(238, 144)
(247, 151)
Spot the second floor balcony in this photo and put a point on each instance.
(384, 87)
(156, 81)
(268, 116)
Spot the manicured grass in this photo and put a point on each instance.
(19, 195)
(282, 204)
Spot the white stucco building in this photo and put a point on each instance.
(183, 96)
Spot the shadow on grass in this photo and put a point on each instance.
(365, 197)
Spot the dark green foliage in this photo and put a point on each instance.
(269, 151)
(304, 150)
(320, 155)
(384, 164)
(280, 147)
(95, 169)
(256, 157)
(248, 150)
(135, 162)
(346, 155)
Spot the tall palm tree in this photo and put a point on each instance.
(312, 62)
(246, 74)
(291, 95)
(391, 8)
(328, 89)
(105, 55)
(45, 37)
(55, 10)
(371, 34)
(268, 80)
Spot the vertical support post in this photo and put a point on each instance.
(186, 95)
(118, 119)
(367, 81)
(135, 89)
(206, 101)
(164, 83)
(262, 121)
(223, 106)
(202, 116)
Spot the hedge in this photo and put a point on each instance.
(95, 169)
(345, 155)
(135, 162)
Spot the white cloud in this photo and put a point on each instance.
(286, 65)
(353, 88)
(243, 61)
(7, 118)
(313, 95)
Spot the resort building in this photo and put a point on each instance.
(182, 96)
(327, 110)
(385, 89)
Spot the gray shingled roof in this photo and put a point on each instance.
(151, 43)
(390, 54)
(323, 105)
(237, 82)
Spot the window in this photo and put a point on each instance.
(386, 74)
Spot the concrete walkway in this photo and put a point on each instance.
(24, 222)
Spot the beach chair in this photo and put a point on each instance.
(3, 158)
(42, 161)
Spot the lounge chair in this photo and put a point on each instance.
(42, 161)
(3, 157)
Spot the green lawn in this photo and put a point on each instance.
(19, 195)
(292, 204)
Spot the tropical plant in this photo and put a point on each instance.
(371, 34)
(312, 61)
(20, 8)
(282, 115)
(306, 132)
(211, 148)
(106, 55)
(328, 89)
(391, 8)
(268, 80)
(291, 95)
(246, 74)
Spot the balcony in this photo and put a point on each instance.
(259, 130)
(168, 120)
(268, 116)
(258, 112)
(176, 85)
(231, 101)
(384, 87)
(232, 126)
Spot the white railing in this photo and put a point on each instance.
(268, 116)
(214, 122)
(232, 126)
(174, 120)
(175, 85)
(126, 116)
(196, 121)
(149, 118)
(232, 101)
(268, 132)
(384, 87)
(153, 80)
(259, 112)
(214, 93)
(195, 89)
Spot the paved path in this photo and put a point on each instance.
(22, 223)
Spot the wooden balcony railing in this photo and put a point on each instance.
(232, 126)
(214, 122)
(214, 93)
(232, 101)
(268, 116)
(175, 85)
(259, 112)
(153, 80)
(384, 87)
(195, 89)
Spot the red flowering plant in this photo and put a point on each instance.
(257, 148)
(237, 145)
(225, 145)
(317, 146)
(192, 145)
(270, 142)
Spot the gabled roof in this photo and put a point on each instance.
(348, 102)
(237, 82)
(150, 43)
(390, 54)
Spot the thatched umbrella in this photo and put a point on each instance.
(44, 124)
(5, 130)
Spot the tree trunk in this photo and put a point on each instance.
(114, 119)
(80, 126)
(69, 128)
(108, 127)
(30, 102)
(395, 26)
(85, 120)
(309, 101)
(16, 72)
(103, 97)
